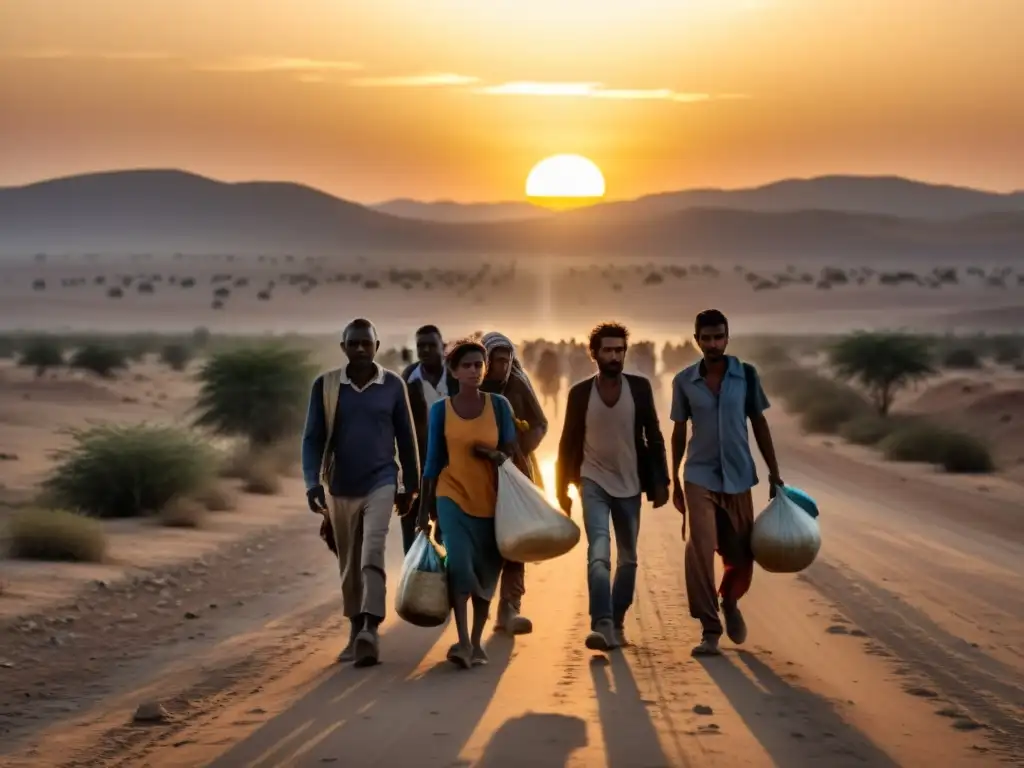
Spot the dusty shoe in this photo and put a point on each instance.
(348, 653)
(367, 648)
(510, 622)
(735, 626)
(708, 647)
(602, 638)
(620, 636)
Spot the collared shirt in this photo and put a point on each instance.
(718, 454)
(373, 427)
(431, 394)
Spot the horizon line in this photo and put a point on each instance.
(523, 201)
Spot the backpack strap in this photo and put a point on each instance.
(750, 401)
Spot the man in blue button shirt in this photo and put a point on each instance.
(717, 395)
(357, 415)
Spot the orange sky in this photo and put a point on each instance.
(459, 98)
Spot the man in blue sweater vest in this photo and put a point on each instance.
(357, 414)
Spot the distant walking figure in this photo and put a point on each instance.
(549, 377)
(612, 449)
(717, 394)
(357, 414)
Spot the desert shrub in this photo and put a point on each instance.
(882, 363)
(216, 498)
(41, 353)
(826, 414)
(183, 513)
(102, 359)
(933, 444)
(48, 534)
(962, 358)
(127, 471)
(175, 356)
(256, 392)
(869, 429)
(261, 477)
(1007, 349)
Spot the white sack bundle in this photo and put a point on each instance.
(527, 527)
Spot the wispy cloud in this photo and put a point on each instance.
(57, 54)
(595, 90)
(423, 80)
(259, 64)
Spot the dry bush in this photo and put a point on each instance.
(216, 498)
(183, 513)
(261, 477)
(929, 443)
(869, 429)
(49, 534)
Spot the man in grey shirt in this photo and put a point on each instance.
(612, 449)
(717, 395)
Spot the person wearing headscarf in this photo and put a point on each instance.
(505, 376)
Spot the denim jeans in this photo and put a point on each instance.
(610, 599)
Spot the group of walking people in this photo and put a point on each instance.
(466, 407)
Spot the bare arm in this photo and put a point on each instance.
(678, 448)
(763, 437)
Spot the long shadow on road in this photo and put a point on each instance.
(822, 737)
(538, 740)
(630, 738)
(385, 715)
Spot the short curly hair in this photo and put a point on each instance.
(462, 348)
(607, 331)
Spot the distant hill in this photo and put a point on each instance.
(451, 212)
(162, 211)
(884, 195)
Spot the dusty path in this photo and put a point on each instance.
(901, 646)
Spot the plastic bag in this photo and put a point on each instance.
(785, 539)
(422, 596)
(527, 527)
(803, 499)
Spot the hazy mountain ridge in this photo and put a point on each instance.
(156, 211)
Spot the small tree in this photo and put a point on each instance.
(255, 392)
(881, 363)
(176, 356)
(42, 353)
(102, 359)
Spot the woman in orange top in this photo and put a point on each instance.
(469, 433)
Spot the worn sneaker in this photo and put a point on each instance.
(510, 622)
(367, 648)
(602, 637)
(735, 626)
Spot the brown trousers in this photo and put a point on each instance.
(360, 533)
(719, 522)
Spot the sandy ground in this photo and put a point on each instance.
(900, 646)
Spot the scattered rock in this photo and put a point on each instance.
(257, 711)
(966, 724)
(7, 664)
(858, 633)
(190, 615)
(150, 712)
(8, 457)
(838, 629)
(949, 712)
(703, 709)
(924, 693)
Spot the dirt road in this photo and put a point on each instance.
(900, 646)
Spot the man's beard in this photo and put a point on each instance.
(610, 370)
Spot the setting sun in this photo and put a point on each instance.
(565, 181)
